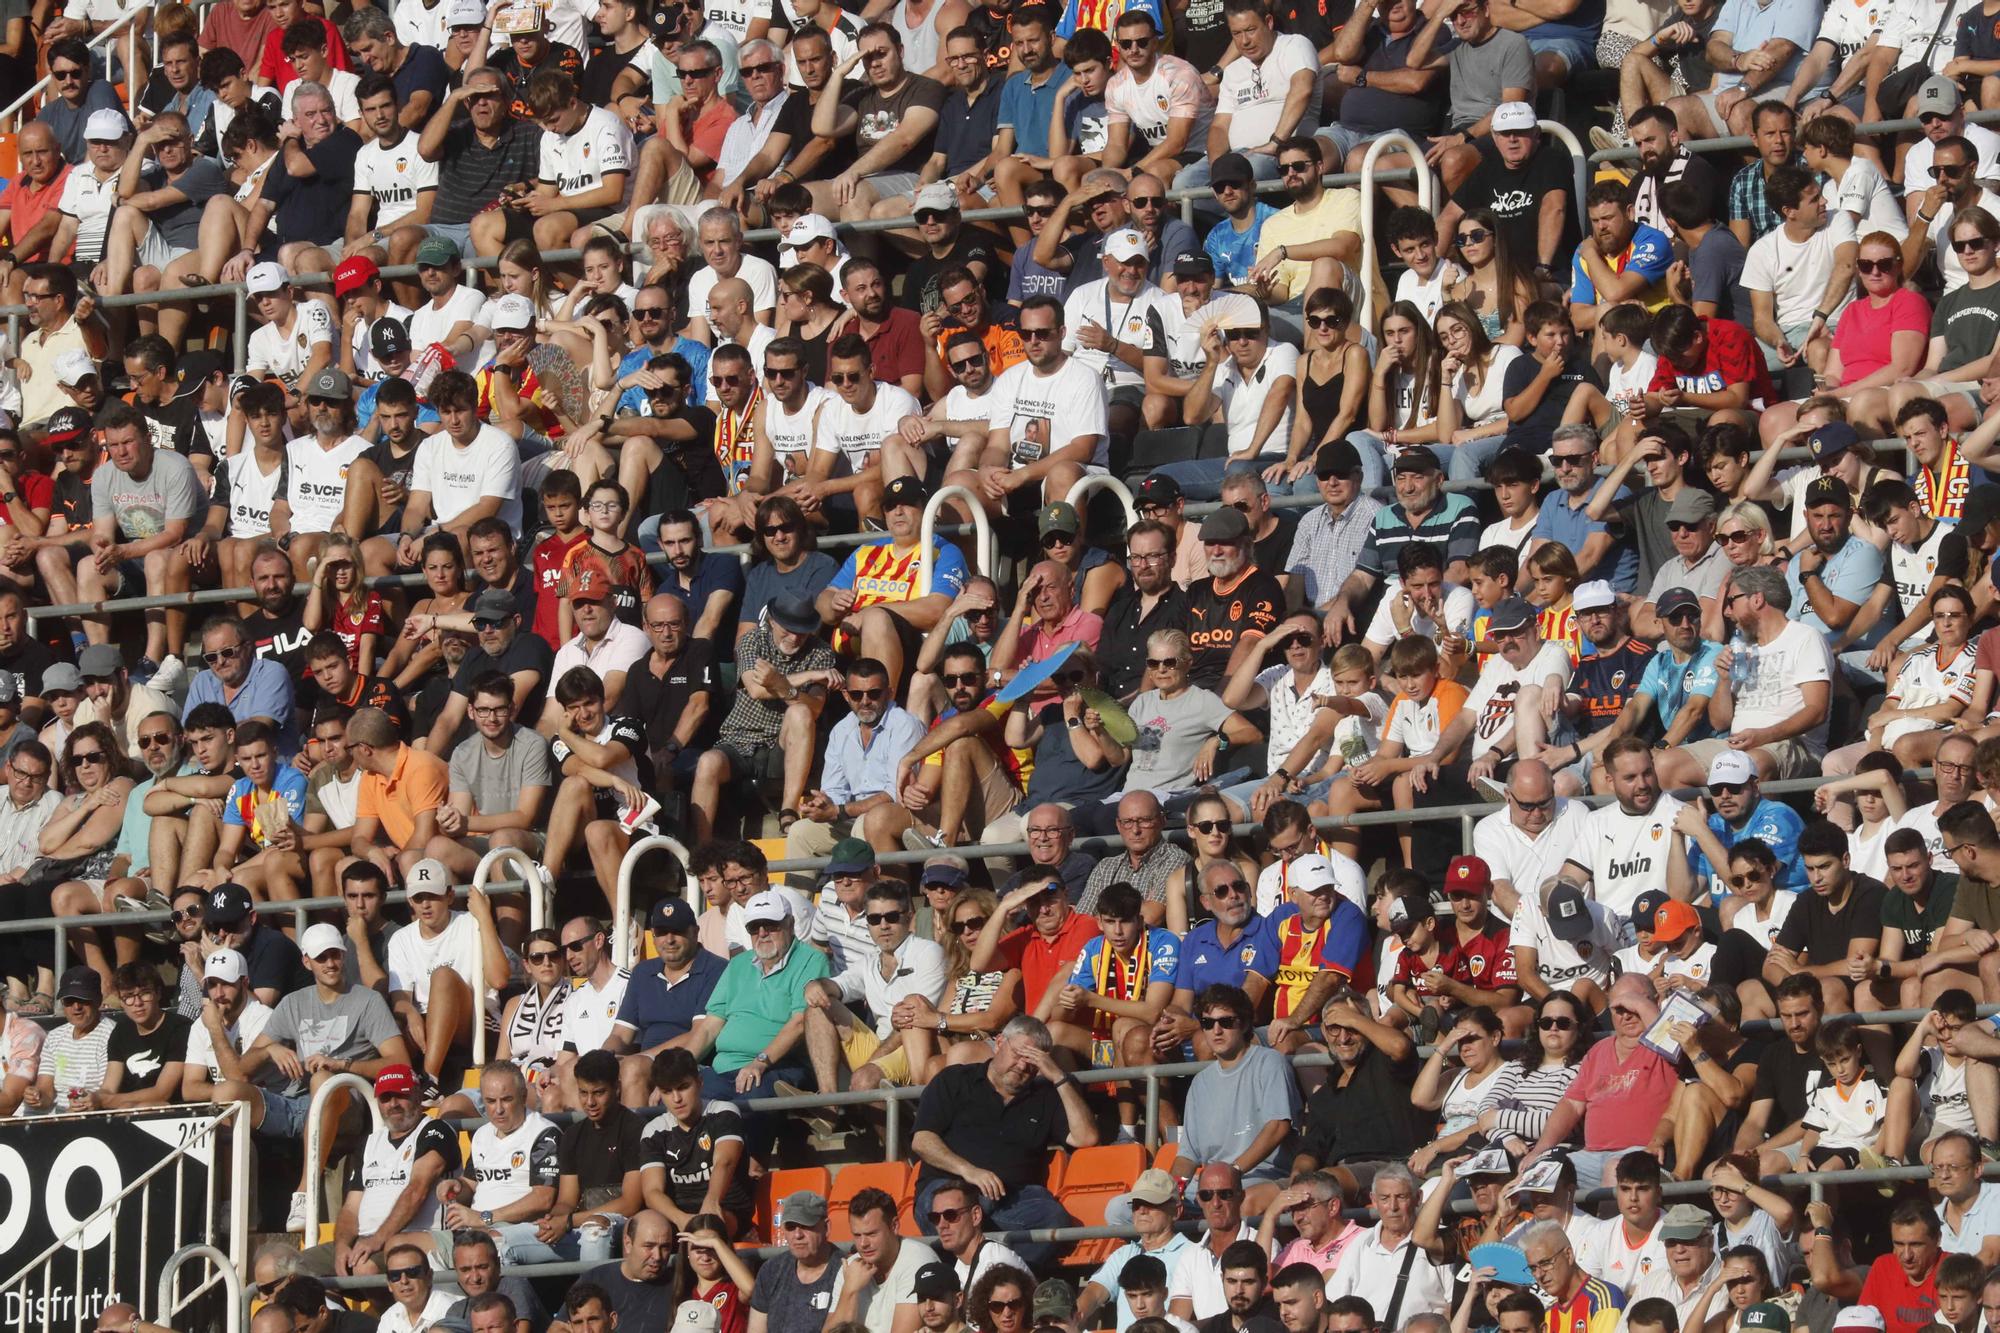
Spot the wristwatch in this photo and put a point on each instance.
(486, 1218)
(1073, 723)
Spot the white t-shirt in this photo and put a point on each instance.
(284, 352)
(91, 202)
(1917, 174)
(589, 1011)
(1767, 685)
(859, 435)
(242, 1034)
(1429, 297)
(1612, 1257)
(1492, 698)
(763, 280)
(1865, 196)
(317, 480)
(394, 177)
(1095, 303)
(1627, 854)
(341, 83)
(1563, 963)
(1502, 532)
(1623, 386)
(458, 478)
(577, 162)
(252, 492)
(1940, 234)
(1522, 861)
(877, 1305)
(412, 958)
(1765, 932)
(1042, 413)
(1252, 94)
(1796, 272)
(1460, 606)
(791, 433)
(429, 324)
(1243, 398)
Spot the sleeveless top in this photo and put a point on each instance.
(1322, 399)
(920, 44)
(814, 360)
(535, 1035)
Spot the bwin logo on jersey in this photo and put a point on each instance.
(1638, 865)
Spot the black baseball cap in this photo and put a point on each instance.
(388, 338)
(905, 491)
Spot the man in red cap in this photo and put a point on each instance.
(1483, 940)
(357, 288)
(395, 1187)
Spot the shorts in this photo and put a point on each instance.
(458, 233)
(1128, 395)
(763, 767)
(284, 1117)
(481, 844)
(131, 574)
(1789, 758)
(1774, 92)
(861, 1042)
(1576, 52)
(1943, 390)
(1345, 140)
(154, 252)
(892, 184)
(997, 794)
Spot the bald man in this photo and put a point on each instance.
(732, 319)
(28, 212)
(1046, 615)
(1147, 862)
(1528, 841)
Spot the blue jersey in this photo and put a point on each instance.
(1649, 255)
(243, 809)
(1205, 960)
(1670, 683)
(1773, 823)
(1234, 252)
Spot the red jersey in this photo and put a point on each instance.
(1732, 357)
(1298, 962)
(551, 556)
(350, 625)
(1411, 967)
(732, 1314)
(1907, 1307)
(277, 71)
(1488, 955)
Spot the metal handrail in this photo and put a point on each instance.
(624, 941)
(1106, 482)
(127, 23)
(983, 551)
(1410, 148)
(1581, 161)
(315, 1134)
(232, 1283)
(531, 873)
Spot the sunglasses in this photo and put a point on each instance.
(1297, 166)
(1039, 210)
(544, 955)
(1474, 236)
(1299, 640)
(1728, 788)
(780, 372)
(410, 1274)
(1210, 826)
(968, 925)
(577, 946)
(1029, 335)
(1230, 888)
(1058, 539)
(1572, 460)
(764, 67)
(1687, 617)
(1746, 879)
(1325, 322)
(222, 655)
(1739, 535)
(1134, 43)
(184, 914)
(884, 918)
(1147, 200)
(728, 381)
(649, 312)
(938, 1215)
(1876, 265)
(156, 738)
(844, 377)
(867, 696)
(1682, 525)
(1011, 1303)
(1542, 804)
(969, 363)
(1210, 1196)
(87, 757)
(963, 677)
(1221, 1022)
(926, 216)
(1240, 335)
(1555, 1024)
(1966, 247)
(1162, 663)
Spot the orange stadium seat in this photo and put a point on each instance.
(890, 1177)
(1096, 1176)
(778, 1185)
(10, 155)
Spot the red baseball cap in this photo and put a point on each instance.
(353, 273)
(396, 1081)
(1468, 874)
(1673, 920)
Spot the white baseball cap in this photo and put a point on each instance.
(428, 877)
(1593, 596)
(1860, 1316)
(697, 1316)
(1514, 118)
(1731, 766)
(1125, 244)
(1311, 873)
(770, 905)
(465, 14)
(319, 938)
(225, 965)
(513, 312)
(269, 276)
(106, 126)
(807, 228)
(74, 367)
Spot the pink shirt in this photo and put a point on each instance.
(1300, 1252)
(1862, 337)
(1622, 1100)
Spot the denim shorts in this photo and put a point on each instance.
(1576, 53)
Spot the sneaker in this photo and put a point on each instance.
(428, 1092)
(295, 1220)
(167, 680)
(918, 838)
(125, 904)
(820, 1120)
(1493, 787)
(143, 673)
(78, 640)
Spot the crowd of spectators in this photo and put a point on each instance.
(1667, 537)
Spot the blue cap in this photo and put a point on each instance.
(1508, 1263)
(672, 915)
(1831, 441)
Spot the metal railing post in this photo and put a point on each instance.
(624, 943)
(239, 345)
(926, 538)
(1085, 485)
(316, 1133)
(1152, 1112)
(1394, 138)
(892, 1129)
(539, 889)
(232, 1284)
(1581, 160)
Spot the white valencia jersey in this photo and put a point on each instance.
(504, 1167)
(791, 433)
(386, 1166)
(253, 491)
(394, 177)
(1628, 854)
(317, 487)
(1942, 1088)
(1913, 567)
(578, 162)
(589, 1012)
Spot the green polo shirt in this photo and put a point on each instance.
(754, 1005)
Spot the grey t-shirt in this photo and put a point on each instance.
(170, 491)
(786, 1302)
(179, 225)
(353, 1027)
(496, 783)
(1715, 267)
(1479, 73)
(1971, 320)
(1227, 1109)
(1171, 733)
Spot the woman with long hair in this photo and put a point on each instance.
(808, 312)
(414, 655)
(531, 1025)
(1533, 1083)
(1403, 392)
(977, 1004)
(1332, 381)
(1210, 839)
(1458, 1082)
(999, 1300)
(79, 843)
(1495, 288)
(1472, 411)
(342, 601)
(1881, 338)
(1552, 578)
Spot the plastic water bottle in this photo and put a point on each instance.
(1741, 668)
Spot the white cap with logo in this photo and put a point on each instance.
(428, 878)
(1514, 118)
(225, 965)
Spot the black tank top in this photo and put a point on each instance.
(1322, 399)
